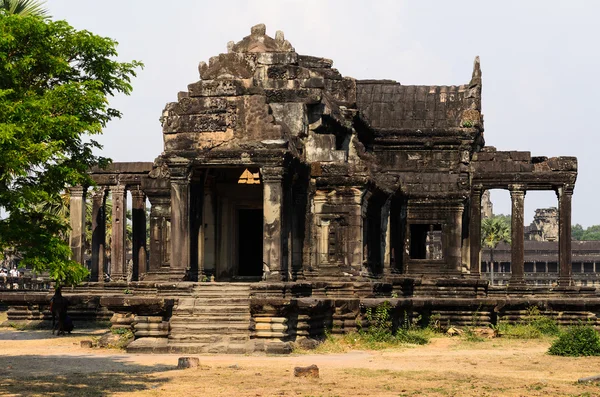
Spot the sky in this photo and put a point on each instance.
(540, 62)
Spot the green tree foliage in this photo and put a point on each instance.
(577, 232)
(495, 230)
(54, 86)
(581, 234)
(24, 7)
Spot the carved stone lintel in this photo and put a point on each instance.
(78, 191)
(272, 174)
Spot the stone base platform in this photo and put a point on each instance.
(204, 318)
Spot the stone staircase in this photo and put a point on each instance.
(214, 319)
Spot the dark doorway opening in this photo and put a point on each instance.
(250, 243)
(426, 241)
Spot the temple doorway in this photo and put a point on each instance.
(250, 243)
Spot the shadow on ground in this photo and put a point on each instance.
(77, 375)
(44, 332)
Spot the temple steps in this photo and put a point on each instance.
(214, 348)
(195, 338)
(215, 319)
(211, 318)
(222, 327)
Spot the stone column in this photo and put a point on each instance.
(272, 178)
(138, 220)
(564, 194)
(475, 231)
(98, 234)
(77, 215)
(455, 241)
(155, 240)
(118, 264)
(517, 195)
(159, 210)
(209, 255)
(180, 222)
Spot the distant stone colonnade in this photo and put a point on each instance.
(117, 184)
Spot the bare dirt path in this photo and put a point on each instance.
(37, 363)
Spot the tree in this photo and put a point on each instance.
(54, 87)
(577, 232)
(494, 230)
(24, 7)
(592, 233)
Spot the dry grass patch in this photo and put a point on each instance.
(42, 365)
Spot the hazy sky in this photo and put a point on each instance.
(540, 63)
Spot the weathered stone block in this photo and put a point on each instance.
(195, 123)
(272, 58)
(305, 95)
(286, 72)
(188, 362)
(312, 371)
(216, 88)
(199, 105)
(520, 156)
(313, 82)
(293, 115)
(314, 62)
(228, 66)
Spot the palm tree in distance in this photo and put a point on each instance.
(494, 230)
(25, 7)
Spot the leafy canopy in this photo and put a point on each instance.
(494, 230)
(24, 7)
(54, 88)
(591, 233)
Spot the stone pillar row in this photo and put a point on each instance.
(118, 265)
(517, 194)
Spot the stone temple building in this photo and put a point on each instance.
(289, 198)
(277, 167)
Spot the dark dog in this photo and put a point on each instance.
(58, 307)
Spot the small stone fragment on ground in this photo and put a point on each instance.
(109, 339)
(308, 343)
(312, 371)
(454, 331)
(188, 362)
(485, 332)
(86, 344)
(589, 379)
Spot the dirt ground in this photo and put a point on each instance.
(35, 363)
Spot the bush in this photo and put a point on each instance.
(413, 336)
(581, 340)
(381, 330)
(533, 326)
(380, 324)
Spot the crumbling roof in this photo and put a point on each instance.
(389, 105)
(124, 168)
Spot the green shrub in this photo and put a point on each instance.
(414, 336)
(380, 324)
(580, 340)
(380, 328)
(533, 326)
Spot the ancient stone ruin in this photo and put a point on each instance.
(288, 198)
